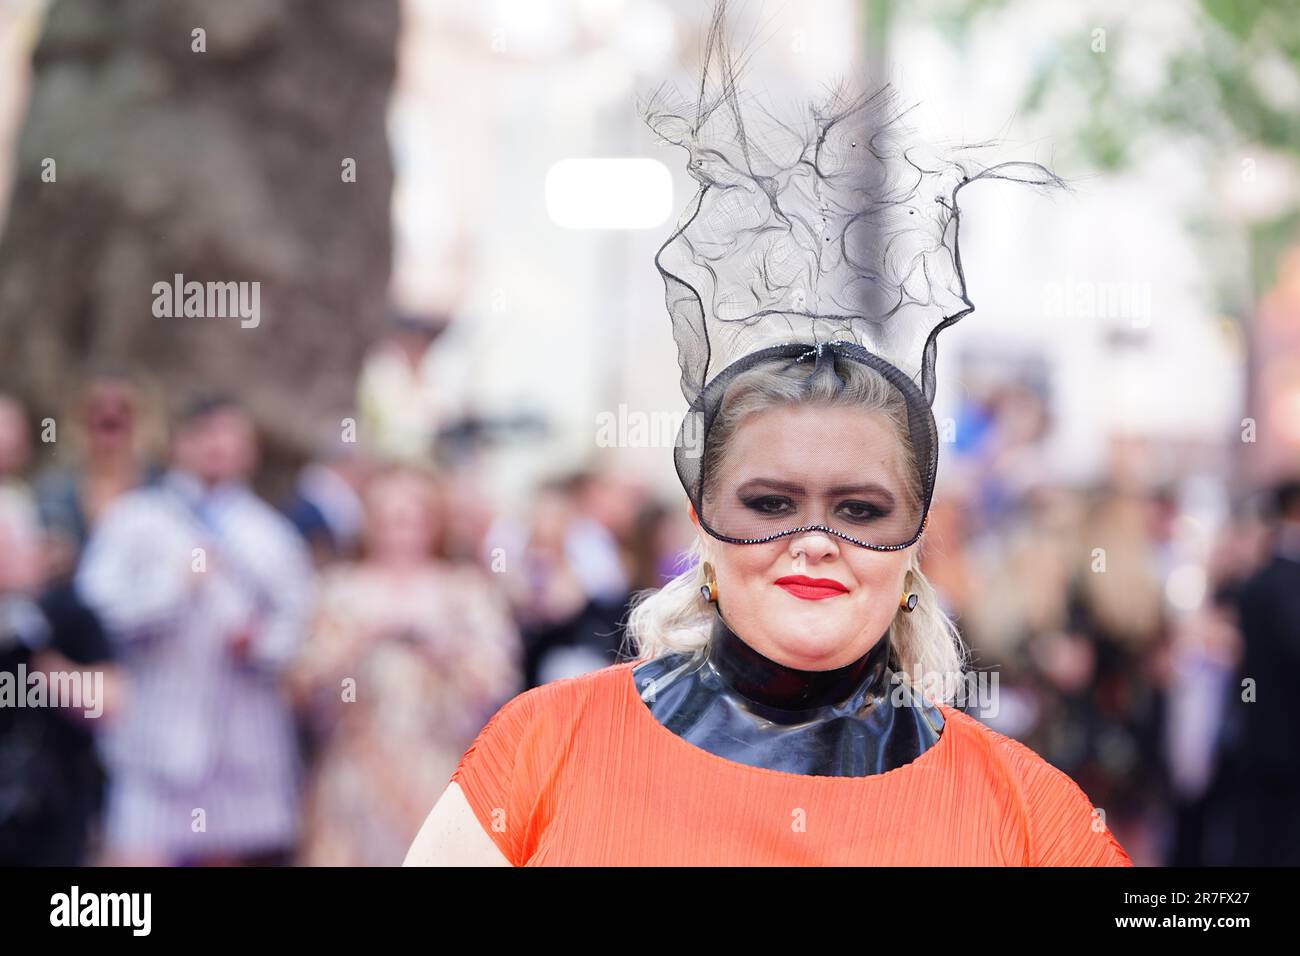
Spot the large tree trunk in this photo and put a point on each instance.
(224, 165)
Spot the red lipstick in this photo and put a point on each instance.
(810, 589)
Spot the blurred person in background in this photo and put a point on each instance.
(607, 503)
(51, 778)
(326, 505)
(15, 447)
(1264, 708)
(659, 541)
(949, 564)
(1018, 457)
(466, 515)
(573, 589)
(408, 390)
(408, 657)
(1204, 695)
(205, 590)
(1067, 607)
(1104, 674)
(1016, 613)
(999, 450)
(1203, 663)
(113, 440)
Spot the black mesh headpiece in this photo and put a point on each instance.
(808, 279)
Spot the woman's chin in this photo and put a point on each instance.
(812, 655)
(808, 642)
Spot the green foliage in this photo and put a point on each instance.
(1212, 90)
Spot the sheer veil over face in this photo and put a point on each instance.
(819, 256)
(867, 479)
(801, 466)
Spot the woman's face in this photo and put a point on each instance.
(401, 525)
(109, 415)
(804, 447)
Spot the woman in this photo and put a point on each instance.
(52, 787)
(793, 744)
(789, 703)
(115, 439)
(407, 657)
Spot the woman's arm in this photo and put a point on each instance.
(452, 836)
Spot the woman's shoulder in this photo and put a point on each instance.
(539, 719)
(1002, 752)
(509, 771)
(1066, 829)
(560, 703)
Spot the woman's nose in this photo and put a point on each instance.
(813, 546)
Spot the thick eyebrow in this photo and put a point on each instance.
(794, 488)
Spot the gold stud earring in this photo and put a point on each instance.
(709, 590)
(909, 598)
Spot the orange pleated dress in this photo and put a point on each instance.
(578, 772)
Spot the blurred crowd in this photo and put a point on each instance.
(292, 677)
(287, 677)
(1143, 636)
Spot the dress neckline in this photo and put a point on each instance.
(933, 754)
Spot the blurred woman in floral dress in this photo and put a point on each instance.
(408, 657)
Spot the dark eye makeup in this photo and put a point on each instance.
(777, 506)
(771, 505)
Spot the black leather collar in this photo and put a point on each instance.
(770, 684)
(738, 704)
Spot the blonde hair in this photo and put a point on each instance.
(676, 618)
